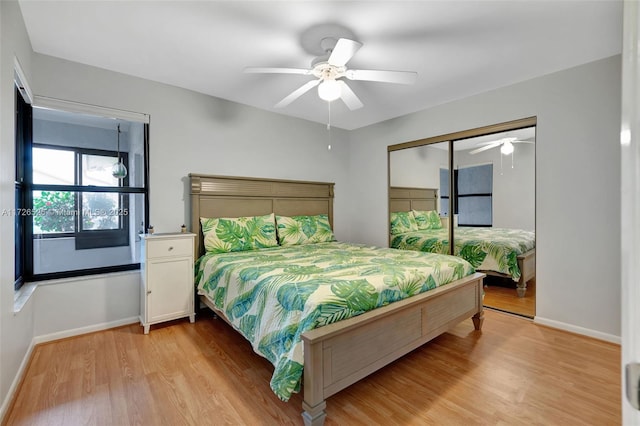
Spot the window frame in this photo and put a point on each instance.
(24, 166)
(23, 140)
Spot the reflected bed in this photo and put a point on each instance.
(502, 252)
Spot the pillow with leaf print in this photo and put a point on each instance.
(402, 222)
(295, 230)
(226, 234)
(427, 219)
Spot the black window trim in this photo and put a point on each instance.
(23, 138)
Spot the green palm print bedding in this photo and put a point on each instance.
(274, 295)
(487, 249)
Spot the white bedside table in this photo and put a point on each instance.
(167, 288)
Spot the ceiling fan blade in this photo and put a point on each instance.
(267, 70)
(496, 142)
(343, 51)
(401, 77)
(484, 148)
(523, 141)
(297, 93)
(348, 97)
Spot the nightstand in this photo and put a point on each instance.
(167, 290)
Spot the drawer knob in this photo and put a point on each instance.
(170, 248)
(148, 291)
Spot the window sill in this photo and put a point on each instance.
(21, 297)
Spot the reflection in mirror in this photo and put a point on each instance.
(489, 197)
(419, 198)
(503, 175)
(495, 189)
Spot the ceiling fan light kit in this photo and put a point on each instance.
(506, 148)
(330, 68)
(329, 90)
(505, 144)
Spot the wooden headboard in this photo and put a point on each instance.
(404, 199)
(232, 196)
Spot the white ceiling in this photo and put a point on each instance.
(458, 48)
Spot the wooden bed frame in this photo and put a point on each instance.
(339, 354)
(404, 199)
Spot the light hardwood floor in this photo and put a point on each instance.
(500, 293)
(512, 373)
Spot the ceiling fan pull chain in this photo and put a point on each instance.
(329, 125)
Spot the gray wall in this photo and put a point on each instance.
(577, 184)
(418, 167)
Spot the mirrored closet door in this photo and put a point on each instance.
(419, 183)
(479, 186)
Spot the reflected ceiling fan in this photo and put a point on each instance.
(505, 144)
(330, 68)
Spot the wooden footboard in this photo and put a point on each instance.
(340, 354)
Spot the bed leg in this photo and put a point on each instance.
(478, 319)
(314, 416)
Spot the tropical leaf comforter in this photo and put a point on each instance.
(274, 295)
(487, 249)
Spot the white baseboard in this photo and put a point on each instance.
(611, 338)
(84, 330)
(48, 338)
(16, 381)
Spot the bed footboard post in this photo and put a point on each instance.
(521, 288)
(313, 402)
(478, 318)
(314, 416)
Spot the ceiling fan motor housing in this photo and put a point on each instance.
(326, 71)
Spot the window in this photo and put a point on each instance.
(473, 192)
(474, 186)
(78, 218)
(64, 197)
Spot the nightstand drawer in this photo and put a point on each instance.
(170, 247)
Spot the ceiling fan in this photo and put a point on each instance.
(330, 68)
(505, 144)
